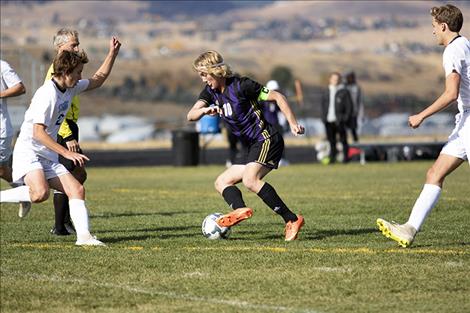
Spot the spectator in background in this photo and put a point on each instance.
(10, 86)
(271, 114)
(336, 107)
(357, 115)
(67, 40)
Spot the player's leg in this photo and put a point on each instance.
(78, 211)
(405, 234)
(343, 136)
(265, 156)
(36, 189)
(225, 185)
(5, 157)
(330, 129)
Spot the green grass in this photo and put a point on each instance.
(158, 261)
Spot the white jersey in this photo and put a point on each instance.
(8, 79)
(456, 58)
(48, 107)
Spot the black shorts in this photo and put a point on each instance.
(267, 152)
(66, 162)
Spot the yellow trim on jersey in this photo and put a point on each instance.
(257, 111)
(72, 113)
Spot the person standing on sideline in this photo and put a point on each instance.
(35, 156)
(237, 99)
(67, 40)
(10, 86)
(447, 21)
(357, 114)
(336, 107)
(271, 114)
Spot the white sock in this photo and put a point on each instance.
(18, 194)
(423, 205)
(79, 216)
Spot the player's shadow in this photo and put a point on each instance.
(319, 235)
(152, 233)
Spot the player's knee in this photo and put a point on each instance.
(39, 194)
(433, 176)
(219, 184)
(78, 192)
(250, 183)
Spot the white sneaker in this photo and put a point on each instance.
(24, 209)
(88, 240)
(403, 234)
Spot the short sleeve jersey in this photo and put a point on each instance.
(456, 58)
(240, 108)
(8, 79)
(49, 107)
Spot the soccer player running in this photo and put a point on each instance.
(67, 40)
(447, 21)
(35, 156)
(10, 86)
(236, 100)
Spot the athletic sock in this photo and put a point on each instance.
(423, 205)
(233, 196)
(61, 207)
(79, 215)
(272, 199)
(18, 194)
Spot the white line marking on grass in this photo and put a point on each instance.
(173, 295)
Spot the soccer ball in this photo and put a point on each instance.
(211, 230)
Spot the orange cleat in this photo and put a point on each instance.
(234, 217)
(292, 228)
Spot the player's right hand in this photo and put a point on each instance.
(297, 129)
(114, 45)
(77, 158)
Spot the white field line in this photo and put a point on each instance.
(173, 295)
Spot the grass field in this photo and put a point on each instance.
(158, 261)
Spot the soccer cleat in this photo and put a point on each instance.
(24, 209)
(292, 228)
(403, 234)
(234, 217)
(88, 240)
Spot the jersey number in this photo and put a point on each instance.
(59, 119)
(227, 109)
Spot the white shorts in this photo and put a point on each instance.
(5, 150)
(24, 163)
(459, 140)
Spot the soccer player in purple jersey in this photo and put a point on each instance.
(236, 100)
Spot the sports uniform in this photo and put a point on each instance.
(241, 112)
(8, 79)
(49, 106)
(456, 58)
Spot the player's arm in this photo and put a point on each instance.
(199, 109)
(39, 134)
(281, 101)
(449, 95)
(105, 69)
(13, 91)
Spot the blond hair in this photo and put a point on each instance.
(63, 36)
(211, 62)
(66, 61)
(449, 14)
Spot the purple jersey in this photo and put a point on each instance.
(241, 109)
(270, 111)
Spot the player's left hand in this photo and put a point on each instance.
(297, 129)
(415, 120)
(73, 145)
